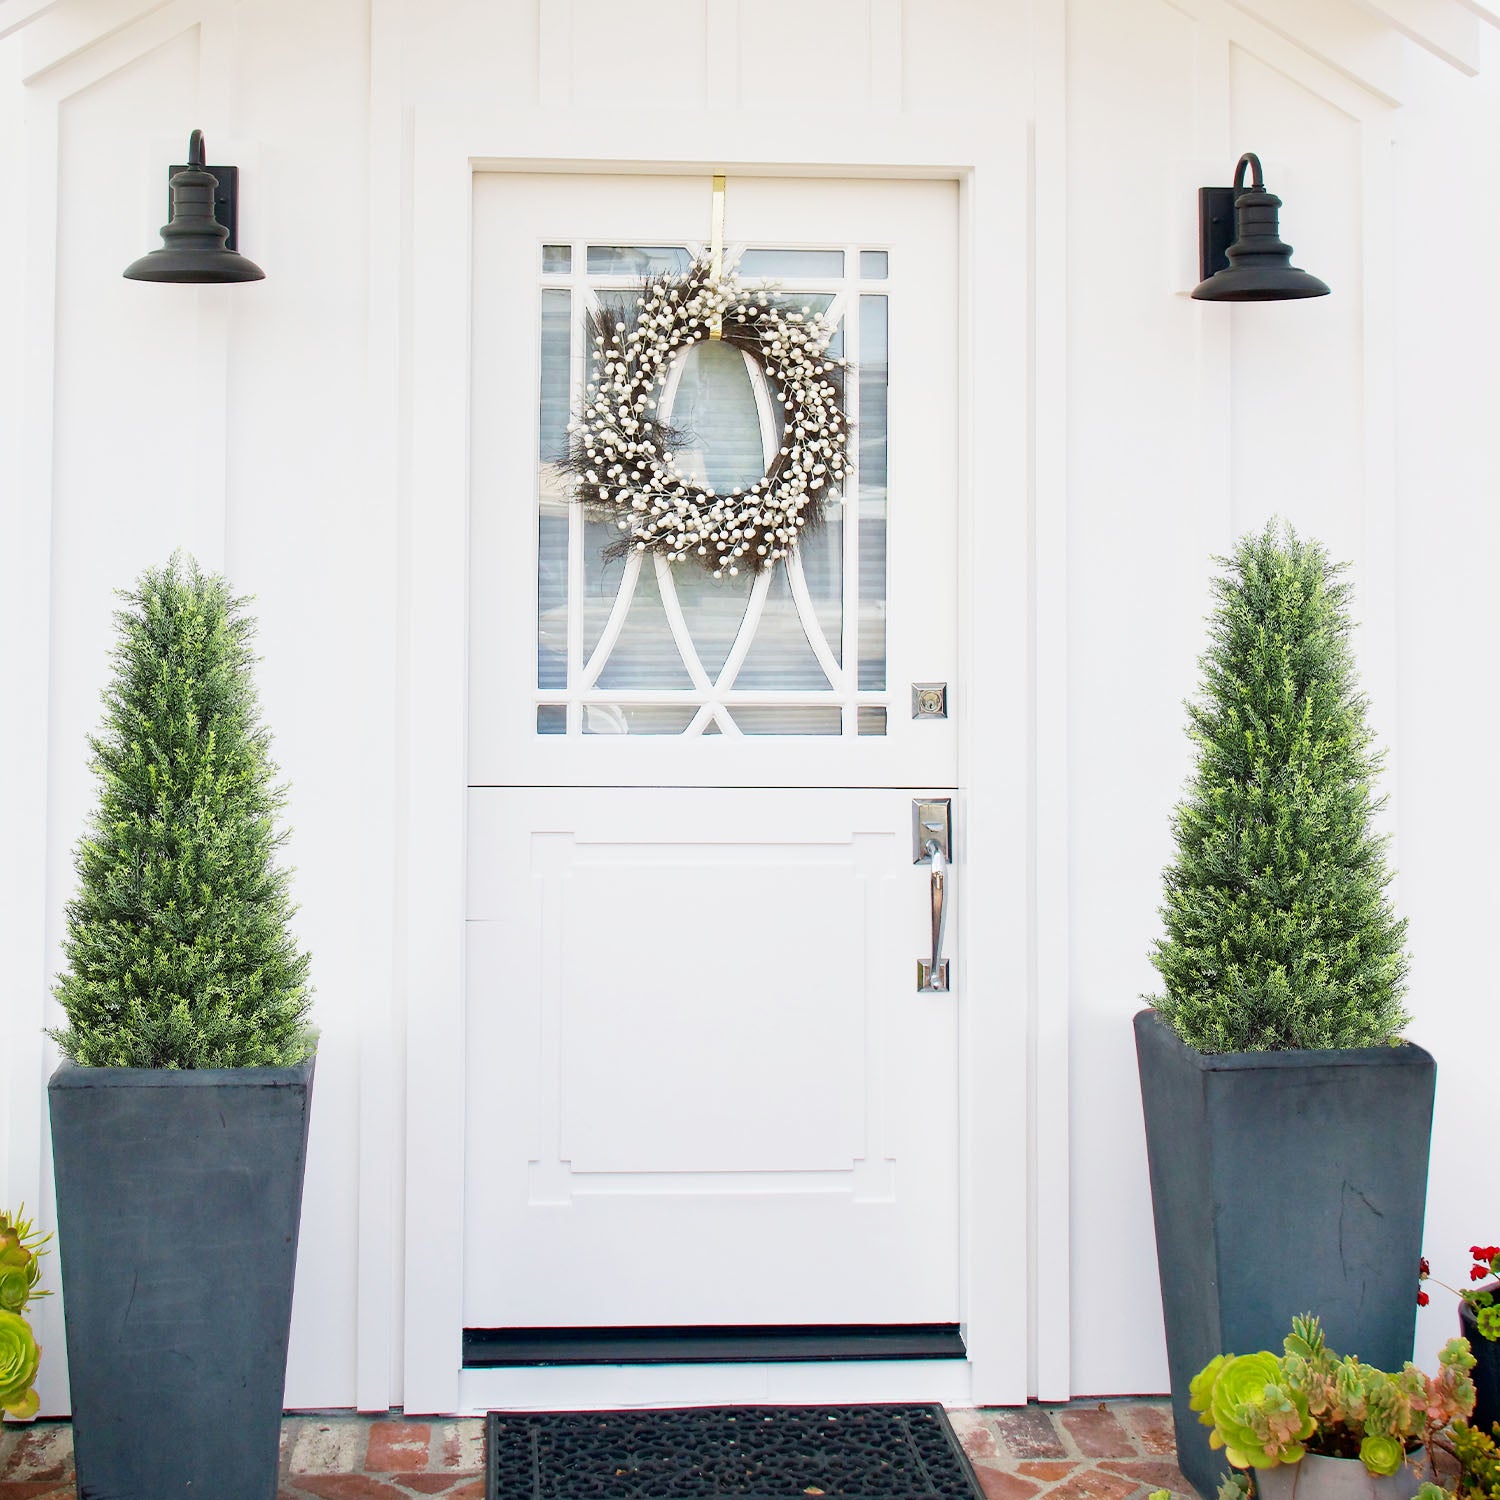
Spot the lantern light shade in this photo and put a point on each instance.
(196, 243)
(1256, 266)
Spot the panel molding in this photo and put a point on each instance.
(68, 32)
(1336, 33)
(1445, 28)
(14, 14)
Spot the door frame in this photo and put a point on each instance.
(989, 156)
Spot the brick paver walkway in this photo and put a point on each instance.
(1095, 1450)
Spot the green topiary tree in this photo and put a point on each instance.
(1278, 931)
(178, 949)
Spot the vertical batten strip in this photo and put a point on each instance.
(1376, 586)
(1050, 1000)
(214, 312)
(27, 876)
(435, 736)
(1213, 137)
(382, 1172)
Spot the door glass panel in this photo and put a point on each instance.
(637, 260)
(781, 656)
(716, 412)
(552, 596)
(808, 719)
(557, 383)
(714, 610)
(874, 265)
(611, 621)
(637, 718)
(556, 387)
(870, 433)
(792, 265)
(645, 655)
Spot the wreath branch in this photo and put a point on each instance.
(622, 457)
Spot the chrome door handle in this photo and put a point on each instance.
(932, 833)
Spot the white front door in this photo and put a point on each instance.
(703, 1088)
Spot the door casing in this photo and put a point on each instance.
(995, 772)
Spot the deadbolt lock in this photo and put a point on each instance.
(929, 700)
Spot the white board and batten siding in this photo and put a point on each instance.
(311, 435)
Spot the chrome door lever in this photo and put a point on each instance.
(932, 836)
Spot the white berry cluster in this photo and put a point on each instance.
(622, 456)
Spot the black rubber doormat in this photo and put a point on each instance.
(756, 1452)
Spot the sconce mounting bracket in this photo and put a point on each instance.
(1215, 229)
(226, 198)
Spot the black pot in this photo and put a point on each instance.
(1486, 1370)
(179, 1195)
(1282, 1183)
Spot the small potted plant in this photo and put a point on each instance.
(20, 1354)
(1479, 1321)
(180, 1113)
(1287, 1126)
(1310, 1424)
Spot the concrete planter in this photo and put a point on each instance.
(1318, 1477)
(179, 1195)
(1282, 1183)
(1486, 1370)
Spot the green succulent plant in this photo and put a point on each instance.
(20, 1268)
(1381, 1453)
(20, 1354)
(1257, 1418)
(1267, 1410)
(1478, 1457)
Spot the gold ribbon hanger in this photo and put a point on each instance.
(716, 252)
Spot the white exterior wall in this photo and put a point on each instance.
(267, 429)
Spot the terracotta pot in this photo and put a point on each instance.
(1320, 1478)
(1487, 1364)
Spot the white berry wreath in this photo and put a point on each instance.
(622, 457)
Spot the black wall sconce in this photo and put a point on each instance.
(198, 242)
(1256, 266)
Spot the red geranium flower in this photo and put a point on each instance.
(1426, 1270)
(1423, 1299)
(1478, 1273)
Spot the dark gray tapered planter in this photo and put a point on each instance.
(1486, 1370)
(178, 1200)
(1282, 1183)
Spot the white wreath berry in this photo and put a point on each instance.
(623, 458)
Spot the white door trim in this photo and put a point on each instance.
(990, 162)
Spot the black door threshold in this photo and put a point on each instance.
(490, 1347)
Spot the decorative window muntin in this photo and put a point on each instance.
(639, 645)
